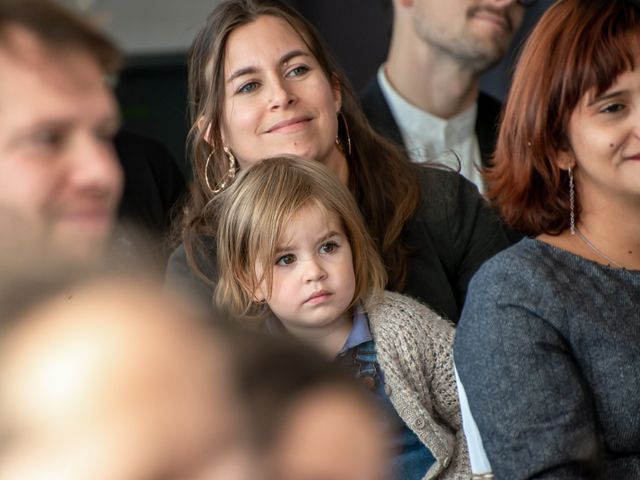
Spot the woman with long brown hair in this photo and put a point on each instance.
(261, 83)
(548, 346)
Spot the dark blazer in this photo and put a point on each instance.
(377, 110)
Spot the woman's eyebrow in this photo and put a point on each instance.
(241, 72)
(606, 96)
(249, 70)
(292, 54)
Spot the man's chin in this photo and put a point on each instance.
(484, 55)
(80, 248)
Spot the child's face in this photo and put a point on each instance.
(313, 277)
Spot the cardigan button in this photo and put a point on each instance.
(387, 390)
(369, 382)
(420, 423)
(446, 462)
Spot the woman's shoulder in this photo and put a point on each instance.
(181, 277)
(530, 260)
(530, 279)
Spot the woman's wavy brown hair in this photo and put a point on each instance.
(577, 47)
(381, 179)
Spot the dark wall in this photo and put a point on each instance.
(357, 32)
(152, 92)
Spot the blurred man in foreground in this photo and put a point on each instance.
(60, 181)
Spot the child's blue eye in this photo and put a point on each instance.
(329, 247)
(287, 259)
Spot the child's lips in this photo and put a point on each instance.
(318, 296)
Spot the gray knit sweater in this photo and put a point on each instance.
(548, 349)
(415, 350)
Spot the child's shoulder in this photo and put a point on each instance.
(400, 313)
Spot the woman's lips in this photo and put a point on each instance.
(289, 125)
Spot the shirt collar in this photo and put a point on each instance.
(359, 334)
(422, 125)
(360, 330)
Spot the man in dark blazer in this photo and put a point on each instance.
(426, 95)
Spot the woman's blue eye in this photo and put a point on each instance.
(297, 71)
(248, 87)
(287, 259)
(329, 247)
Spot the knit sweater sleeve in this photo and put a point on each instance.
(414, 347)
(526, 392)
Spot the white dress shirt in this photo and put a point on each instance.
(428, 138)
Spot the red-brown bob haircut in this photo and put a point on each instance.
(578, 47)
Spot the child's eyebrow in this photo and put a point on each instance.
(328, 236)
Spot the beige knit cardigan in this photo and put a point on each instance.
(415, 351)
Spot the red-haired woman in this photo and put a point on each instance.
(548, 347)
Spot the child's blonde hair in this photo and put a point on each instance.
(251, 216)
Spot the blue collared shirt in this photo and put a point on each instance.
(360, 331)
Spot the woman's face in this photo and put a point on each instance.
(604, 133)
(277, 98)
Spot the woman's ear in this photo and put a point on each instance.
(565, 159)
(204, 126)
(337, 92)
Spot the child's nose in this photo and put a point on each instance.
(313, 270)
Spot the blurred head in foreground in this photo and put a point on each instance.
(311, 419)
(60, 181)
(106, 379)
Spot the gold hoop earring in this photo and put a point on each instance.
(346, 131)
(228, 177)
